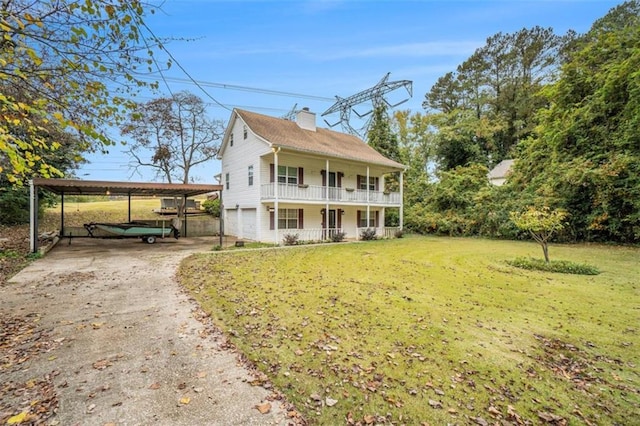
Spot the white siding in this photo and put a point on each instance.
(236, 161)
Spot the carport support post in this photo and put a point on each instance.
(184, 212)
(129, 199)
(33, 217)
(62, 214)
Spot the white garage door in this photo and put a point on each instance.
(231, 223)
(249, 224)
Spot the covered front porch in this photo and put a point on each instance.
(323, 222)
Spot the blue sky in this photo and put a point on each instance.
(321, 49)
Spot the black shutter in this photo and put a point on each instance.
(300, 218)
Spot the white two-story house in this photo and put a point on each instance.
(290, 177)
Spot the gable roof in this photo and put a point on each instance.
(501, 170)
(287, 134)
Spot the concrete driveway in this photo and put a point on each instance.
(125, 345)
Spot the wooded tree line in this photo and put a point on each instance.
(566, 108)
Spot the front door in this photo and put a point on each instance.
(330, 227)
(332, 219)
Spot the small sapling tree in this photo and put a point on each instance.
(541, 223)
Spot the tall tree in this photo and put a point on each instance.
(586, 158)
(382, 138)
(77, 60)
(380, 135)
(489, 103)
(416, 151)
(172, 135)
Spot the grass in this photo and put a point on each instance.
(79, 213)
(435, 330)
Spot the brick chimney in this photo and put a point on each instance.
(306, 119)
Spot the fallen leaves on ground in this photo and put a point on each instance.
(31, 402)
(21, 339)
(264, 408)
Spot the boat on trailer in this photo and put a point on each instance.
(147, 233)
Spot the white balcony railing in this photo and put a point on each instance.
(320, 193)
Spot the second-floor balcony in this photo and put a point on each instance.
(307, 193)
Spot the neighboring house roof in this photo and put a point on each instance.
(287, 134)
(500, 172)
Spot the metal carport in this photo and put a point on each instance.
(64, 187)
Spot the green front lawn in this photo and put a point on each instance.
(434, 330)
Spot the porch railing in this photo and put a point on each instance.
(320, 234)
(319, 193)
(381, 232)
(317, 234)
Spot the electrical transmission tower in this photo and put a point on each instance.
(291, 115)
(375, 95)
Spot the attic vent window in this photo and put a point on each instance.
(231, 140)
(245, 131)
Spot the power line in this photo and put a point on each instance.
(191, 79)
(244, 88)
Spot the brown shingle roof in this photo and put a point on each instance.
(287, 134)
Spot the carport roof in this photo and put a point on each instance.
(97, 187)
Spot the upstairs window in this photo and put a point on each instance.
(231, 139)
(226, 181)
(250, 172)
(288, 175)
(244, 131)
(373, 183)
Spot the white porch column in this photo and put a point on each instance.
(275, 195)
(326, 195)
(401, 199)
(368, 201)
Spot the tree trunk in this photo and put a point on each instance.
(545, 250)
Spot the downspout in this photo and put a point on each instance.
(221, 220)
(401, 200)
(276, 151)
